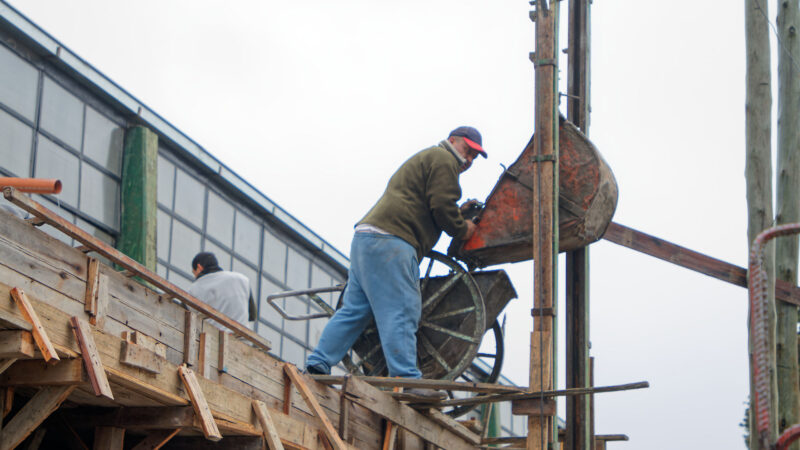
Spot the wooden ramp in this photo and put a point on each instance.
(90, 357)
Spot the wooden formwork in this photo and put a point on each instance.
(134, 368)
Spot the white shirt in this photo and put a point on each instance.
(227, 292)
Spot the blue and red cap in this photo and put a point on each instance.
(472, 137)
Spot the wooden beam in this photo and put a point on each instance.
(533, 407)
(108, 438)
(190, 329)
(344, 412)
(36, 440)
(38, 408)
(230, 443)
(390, 434)
(223, 347)
(201, 409)
(126, 262)
(692, 260)
(39, 334)
(156, 439)
(268, 429)
(91, 357)
(203, 360)
(136, 418)
(420, 383)
(16, 344)
(404, 416)
(6, 363)
(311, 401)
(452, 425)
(35, 373)
(137, 356)
(92, 287)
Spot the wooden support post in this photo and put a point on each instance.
(92, 287)
(6, 363)
(94, 367)
(390, 433)
(223, 347)
(137, 237)
(36, 440)
(108, 438)
(201, 409)
(39, 334)
(453, 425)
(268, 429)
(189, 339)
(203, 363)
(591, 400)
(156, 439)
(344, 412)
(16, 344)
(545, 216)
(137, 356)
(35, 373)
(38, 408)
(313, 404)
(287, 393)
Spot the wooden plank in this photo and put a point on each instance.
(39, 334)
(38, 408)
(390, 434)
(230, 443)
(6, 363)
(494, 398)
(92, 287)
(16, 344)
(145, 341)
(402, 415)
(91, 357)
(539, 427)
(156, 439)
(137, 356)
(126, 262)
(135, 418)
(311, 401)
(344, 412)
(223, 347)
(421, 383)
(190, 330)
(203, 358)
(108, 438)
(271, 436)
(34, 373)
(36, 440)
(452, 425)
(201, 409)
(534, 407)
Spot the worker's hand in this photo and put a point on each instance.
(471, 227)
(468, 204)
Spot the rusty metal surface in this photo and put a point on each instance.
(587, 200)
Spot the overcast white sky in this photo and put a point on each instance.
(317, 102)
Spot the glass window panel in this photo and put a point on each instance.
(223, 256)
(179, 280)
(297, 270)
(274, 258)
(99, 234)
(166, 175)
(267, 312)
(163, 222)
(102, 141)
(184, 246)
(219, 219)
(505, 416)
(251, 274)
(272, 335)
(293, 353)
(15, 145)
(62, 114)
(66, 215)
(246, 237)
(189, 198)
(52, 161)
(296, 306)
(320, 279)
(100, 196)
(18, 83)
(315, 327)
(161, 270)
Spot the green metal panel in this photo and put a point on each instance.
(138, 212)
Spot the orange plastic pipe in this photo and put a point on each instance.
(32, 185)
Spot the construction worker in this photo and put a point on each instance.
(227, 292)
(419, 203)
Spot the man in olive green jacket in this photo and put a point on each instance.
(419, 203)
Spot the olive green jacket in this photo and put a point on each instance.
(421, 198)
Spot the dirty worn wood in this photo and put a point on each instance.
(33, 373)
(198, 400)
(156, 439)
(92, 287)
(203, 357)
(271, 436)
(137, 356)
(404, 416)
(534, 407)
(142, 418)
(390, 434)
(287, 393)
(494, 398)
(421, 383)
(38, 331)
(126, 262)
(147, 342)
(223, 346)
(36, 440)
(344, 413)
(8, 401)
(38, 408)
(190, 345)
(91, 357)
(108, 438)
(453, 425)
(230, 443)
(692, 260)
(6, 363)
(16, 344)
(540, 380)
(311, 401)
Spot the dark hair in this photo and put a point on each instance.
(208, 261)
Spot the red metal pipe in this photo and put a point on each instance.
(32, 185)
(788, 437)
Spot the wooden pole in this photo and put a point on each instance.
(788, 205)
(541, 429)
(577, 264)
(758, 168)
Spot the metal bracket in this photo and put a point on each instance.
(542, 158)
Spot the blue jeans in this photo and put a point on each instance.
(384, 283)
